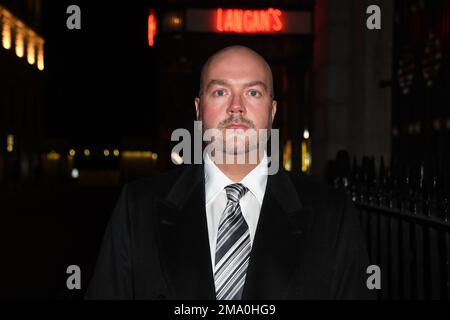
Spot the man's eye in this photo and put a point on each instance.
(254, 93)
(219, 93)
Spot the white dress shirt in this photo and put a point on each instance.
(216, 198)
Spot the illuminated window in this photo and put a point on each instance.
(24, 39)
(287, 156)
(40, 56)
(31, 53)
(20, 49)
(10, 143)
(306, 156)
(6, 29)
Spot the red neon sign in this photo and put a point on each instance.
(249, 21)
(151, 28)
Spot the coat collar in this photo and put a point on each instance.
(278, 241)
(184, 245)
(183, 238)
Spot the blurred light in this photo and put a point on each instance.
(172, 21)
(176, 158)
(116, 153)
(138, 154)
(53, 155)
(287, 156)
(31, 54)
(249, 21)
(154, 156)
(151, 28)
(19, 45)
(40, 56)
(20, 49)
(75, 173)
(106, 152)
(10, 143)
(306, 134)
(6, 30)
(72, 152)
(306, 157)
(175, 21)
(25, 38)
(87, 152)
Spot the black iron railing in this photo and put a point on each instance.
(406, 223)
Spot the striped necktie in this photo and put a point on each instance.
(233, 247)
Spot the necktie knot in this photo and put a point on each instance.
(235, 192)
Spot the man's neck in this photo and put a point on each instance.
(237, 171)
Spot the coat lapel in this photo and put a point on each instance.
(278, 240)
(183, 238)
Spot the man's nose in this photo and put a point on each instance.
(236, 105)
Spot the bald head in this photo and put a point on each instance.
(236, 92)
(236, 54)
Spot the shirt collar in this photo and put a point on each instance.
(216, 180)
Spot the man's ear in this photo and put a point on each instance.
(274, 109)
(197, 108)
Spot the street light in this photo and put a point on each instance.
(10, 143)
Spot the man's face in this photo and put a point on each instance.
(236, 97)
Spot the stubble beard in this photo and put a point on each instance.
(238, 142)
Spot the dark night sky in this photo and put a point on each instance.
(101, 79)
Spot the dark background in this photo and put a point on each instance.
(104, 88)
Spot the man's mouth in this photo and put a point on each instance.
(236, 126)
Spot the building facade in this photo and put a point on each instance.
(22, 75)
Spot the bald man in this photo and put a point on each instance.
(227, 229)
